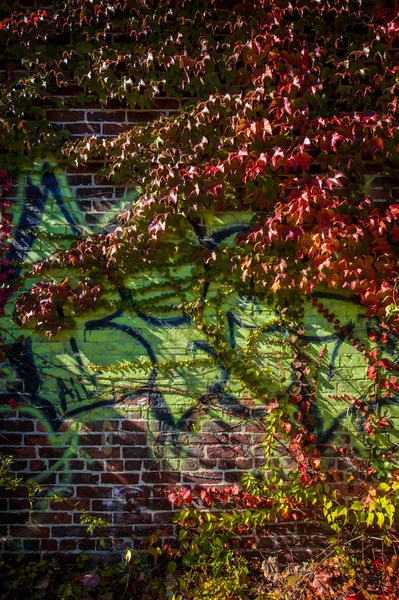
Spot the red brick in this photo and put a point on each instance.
(93, 492)
(104, 426)
(76, 180)
(95, 192)
(36, 440)
(18, 504)
(17, 425)
(15, 518)
(67, 545)
(51, 452)
(83, 128)
(151, 465)
(19, 492)
(108, 452)
(107, 505)
(132, 518)
(164, 517)
(226, 463)
(19, 465)
(203, 477)
(37, 465)
(96, 466)
(160, 477)
(120, 478)
(69, 531)
(133, 465)
(157, 504)
(115, 465)
(31, 545)
(234, 476)
(109, 116)
(223, 452)
(254, 428)
(30, 532)
(136, 452)
(141, 116)
(42, 427)
(10, 439)
(168, 104)
(133, 426)
(86, 478)
(244, 463)
(51, 517)
(115, 128)
(91, 167)
(130, 439)
(240, 438)
(86, 544)
(206, 439)
(81, 504)
(49, 545)
(65, 116)
(74, 465)
(189, 464)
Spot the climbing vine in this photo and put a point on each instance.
(287, 108)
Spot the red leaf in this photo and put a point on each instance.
(394, 208)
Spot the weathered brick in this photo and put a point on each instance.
(29, 532)
(67, 545)
(17, 425)
(118, 116)
(14, 518)
(117, 465)
(140, 116)
(135, 452)
(62, 531)
(107, 452)
(160, 477)
(49, 545)
(120, 478)
(31, 545)
(86, 544)
(116, 128)
(108, 505)
(18, 504)
(133, 426)
(83, 128)
(10, 439)
(167, 103)
(93, 492)
(203, 477)
(130, 439)
(77, 180)
(37, 465)
(65, 116)
(95, 192)
(50, 518)
(132, 518)
(68, 505)
(86, 478)
(36, 440)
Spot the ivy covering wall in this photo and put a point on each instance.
(199, 244)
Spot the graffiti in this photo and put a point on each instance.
(114, 360)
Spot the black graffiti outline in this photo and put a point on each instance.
(22, 358)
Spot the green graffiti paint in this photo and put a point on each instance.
(150, 356)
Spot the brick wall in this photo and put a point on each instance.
(65, 423)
